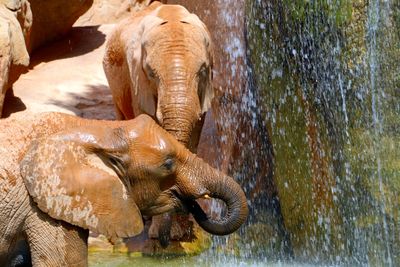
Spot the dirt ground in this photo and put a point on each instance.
(66, 76)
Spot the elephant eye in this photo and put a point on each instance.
(117, 164)
(151, 74)
(203, 76)
(168, 164)
(203, 71)
(114, 161)
(149, 71)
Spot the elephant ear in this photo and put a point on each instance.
(140, 83)
(77, 178)
(208, 93)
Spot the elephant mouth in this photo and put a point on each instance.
(168, 201)
(185, 204)
(234, 215)
(172, 200)
(190, 205)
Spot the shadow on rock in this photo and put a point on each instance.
(95, 103)
(79, 41)
(12, 104)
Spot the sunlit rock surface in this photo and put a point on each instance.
(27, 24)
(110, 11)
(66, 76)
(53, 19)
(15, 26)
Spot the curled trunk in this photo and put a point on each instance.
(223, 187)
(177, 113)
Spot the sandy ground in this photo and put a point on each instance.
(66, 76)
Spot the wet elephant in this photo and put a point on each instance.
(62, 176)
(159, 62)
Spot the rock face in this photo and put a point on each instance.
(110, 11)
(66, 76)
(24, 26)
(52, 19)
(15, 26)
(328, 82)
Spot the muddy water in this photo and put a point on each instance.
(107, 259)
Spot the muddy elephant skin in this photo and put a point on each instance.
(159, 62)
(61, 176)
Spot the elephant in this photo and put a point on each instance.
(61, 176)
(159, 62)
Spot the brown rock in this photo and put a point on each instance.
(22, 11)
(79, 88)
(25, 25)
(52, 19)
(13, 53)
(110, 11)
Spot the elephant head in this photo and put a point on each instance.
(105, 179)
(169, 56)
(177, 61)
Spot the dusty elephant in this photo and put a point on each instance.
(61, 176)
(159, 62)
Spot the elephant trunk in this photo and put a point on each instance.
(178, 122)
(223, 187)
(180, 111)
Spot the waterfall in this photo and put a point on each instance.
(308, 112)
(373, 25)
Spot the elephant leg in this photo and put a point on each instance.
(169, 228)
(162, 224)
(20, 256)
(55, 243)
